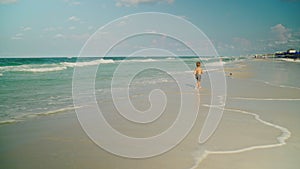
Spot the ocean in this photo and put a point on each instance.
(31, 87)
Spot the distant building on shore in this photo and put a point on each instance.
(291, 54)
(263, 56)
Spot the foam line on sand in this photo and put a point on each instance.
(199, 156)
(267, 99)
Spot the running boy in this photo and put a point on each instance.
(197, 72)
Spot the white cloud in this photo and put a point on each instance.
(83, 36)
(52, 29)
(150, 31)
(242, 42)
(72, 27)
(24, 29)
(103, 33)
(17, 36)
(70, 2)
(20, 36)
(281, 34)
(91, 28)
(183, 17)
(119, 4)
(73, 18)
(129, 3)
(7, 1)
(75, 3)
(49, 29)
(59, 36)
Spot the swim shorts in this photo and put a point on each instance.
(198, 77)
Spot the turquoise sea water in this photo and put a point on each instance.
(31, 87)
(42, 86)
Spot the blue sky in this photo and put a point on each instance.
(61, 27)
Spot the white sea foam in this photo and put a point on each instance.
(199, 156)
(62, 110)
(289, 60)
(153, 81)
(33, 68)
(215, 64)
(44, 69)
(214, 106)
(170, 58)
(34, 115)
(278, 85)
(38, 68)
(206, 59)
(267, 99)
(89, 63)
(139, 60)
(10, 121)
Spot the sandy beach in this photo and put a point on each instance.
(259, 129)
